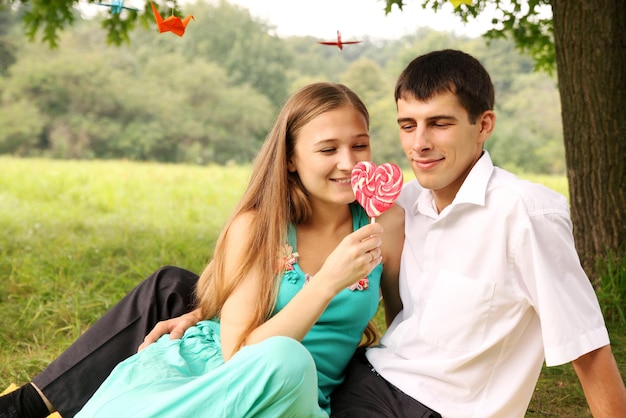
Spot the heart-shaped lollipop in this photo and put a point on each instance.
(376, 188)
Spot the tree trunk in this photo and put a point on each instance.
(590, 45)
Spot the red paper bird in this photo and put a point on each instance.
(172, 24)
(339, 42)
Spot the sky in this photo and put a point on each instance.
(357, 18)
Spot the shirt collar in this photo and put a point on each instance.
(472, 191)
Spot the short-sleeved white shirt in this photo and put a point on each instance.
(491, 287)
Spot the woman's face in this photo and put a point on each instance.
(326, 150)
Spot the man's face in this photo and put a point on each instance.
(441, 144)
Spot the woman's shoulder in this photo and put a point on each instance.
(244, 218)
(242, 223)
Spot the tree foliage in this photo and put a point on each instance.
(7, 47)
(527, 22)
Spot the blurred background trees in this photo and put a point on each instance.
(212, 95)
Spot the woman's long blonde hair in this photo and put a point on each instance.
(277, 198)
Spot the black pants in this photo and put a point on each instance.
(364, 394)
(73, 377)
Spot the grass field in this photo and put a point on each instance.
(79, 235)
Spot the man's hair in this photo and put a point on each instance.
(448, 70)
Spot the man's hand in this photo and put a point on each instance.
(176, 327)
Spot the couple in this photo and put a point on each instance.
(480, 281)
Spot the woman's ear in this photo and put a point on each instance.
(291, 167)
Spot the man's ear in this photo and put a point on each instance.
(486, 123)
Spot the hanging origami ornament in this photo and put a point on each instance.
(457, 3)
(172, 24)
(117, 6)
(339, 43)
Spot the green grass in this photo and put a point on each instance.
(78, 235)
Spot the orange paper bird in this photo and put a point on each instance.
(339, 42)
(172, 24)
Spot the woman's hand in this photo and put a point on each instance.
(354, 258)
(176, 327)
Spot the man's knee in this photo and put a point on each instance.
(171, 290)
(174, 278)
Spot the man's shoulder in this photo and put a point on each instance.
(537, 198)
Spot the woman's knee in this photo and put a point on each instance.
(289, 361)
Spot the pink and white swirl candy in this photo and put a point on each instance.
(376, 188)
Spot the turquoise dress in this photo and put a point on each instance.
(277, 377)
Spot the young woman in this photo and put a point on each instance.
(294, 280)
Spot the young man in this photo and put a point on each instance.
(490, 282)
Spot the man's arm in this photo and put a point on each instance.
(601, 381)
(176, 327)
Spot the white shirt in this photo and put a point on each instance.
(491, 287)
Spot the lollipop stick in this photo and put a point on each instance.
(373, 221)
